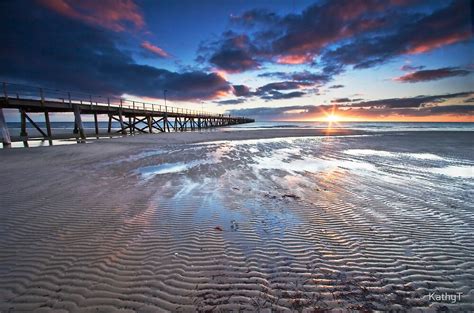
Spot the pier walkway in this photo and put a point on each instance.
(132, 116)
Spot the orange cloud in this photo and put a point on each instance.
(154, 49)
(295, 59)
(426, 46)
(111, 14)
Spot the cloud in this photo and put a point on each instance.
(154, 49)
(294, 38)
(336, 86)
(411, 102)
(295, 59)
(276, 95)
(410, 68)
(341, 100)
(231, 101)
(420, 106)
(338, 34)
(412, 34)
(452, 109)
(304, 77)
(429, 75)
(233, 54)
(110, 14)
(241, 90)
(276, 112)
(286, 85)
(43, 50)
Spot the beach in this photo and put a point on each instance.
(264, 220)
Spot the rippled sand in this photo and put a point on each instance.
(196, 222)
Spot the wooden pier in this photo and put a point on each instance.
(132, 116)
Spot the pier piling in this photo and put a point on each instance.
(133, 116)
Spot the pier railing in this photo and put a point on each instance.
(134, 116)
(20, 91)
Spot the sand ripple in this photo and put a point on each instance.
(280, 225)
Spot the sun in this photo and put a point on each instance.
(332, 118)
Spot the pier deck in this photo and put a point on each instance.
(132, 116)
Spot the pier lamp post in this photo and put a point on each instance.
(164, 95)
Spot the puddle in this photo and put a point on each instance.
(369, 152)
(455, 171)
(148, 172)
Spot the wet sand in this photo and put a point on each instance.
(269, 220)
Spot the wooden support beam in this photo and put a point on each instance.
(165, 122)
(122, 128)
(130, 123)
(109, 128)
(157, 127)
(48, 123)
(148, 119)
(96, 124)
(156, 124)
(78, 121)
(6, 140)
(136, 122)
(23, 132)
(180, 124)
(35, 125)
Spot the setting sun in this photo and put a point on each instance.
(332, 118)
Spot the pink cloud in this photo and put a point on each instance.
(115, 15)
(434, 43)
(154, 49)
(295, 59)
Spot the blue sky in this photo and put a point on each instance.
(257, 58)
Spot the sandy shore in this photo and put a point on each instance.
(269, 220)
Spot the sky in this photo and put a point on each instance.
(371, 60)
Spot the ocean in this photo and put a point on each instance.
(365, 126)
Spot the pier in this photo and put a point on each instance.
(132, 116)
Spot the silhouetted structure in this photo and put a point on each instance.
(131, 115)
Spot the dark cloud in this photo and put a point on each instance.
(276, 95)
(410, 68)
(341, 100)
(345, 100)
(286, 85)
(357, 33)
(435, 74)
(256, 16)
(452, 109)
(47, 48)
(305, 77)
(336, 86)
(315, 78)
(235, 53)
(110, 14)
(274, 74)
(241, 90)
(412, 102)
(413, 34)
(421, 106)
(231, 101)
(276, 112)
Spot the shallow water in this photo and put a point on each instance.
(321, 223)
(318, 223)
